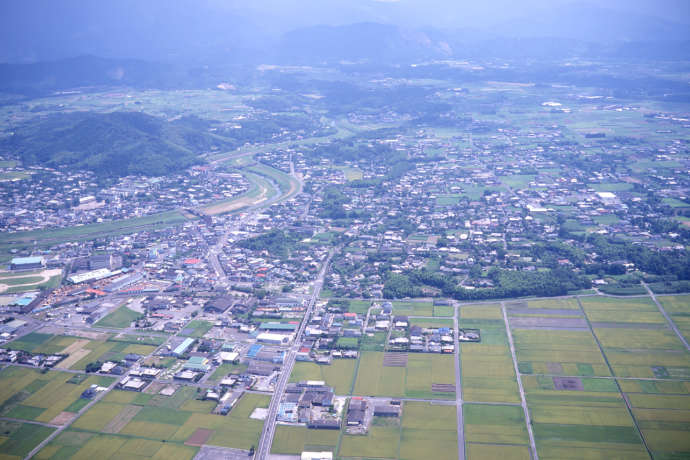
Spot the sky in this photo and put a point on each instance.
(34, 30)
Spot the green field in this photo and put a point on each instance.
(31, 395)
(140, 417)
(296, 439)
(119, 319)
(413, 308)
(22, 280)
(678, 307)
(447, 200)
(88, 350)
(428, 431)
(495, 424)
(413, 381)
(488, 373)
(196, 328)
(18, 439)
(338, 374)
(92, 231)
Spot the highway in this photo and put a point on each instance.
(268, 431)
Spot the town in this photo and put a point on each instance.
(438, 277)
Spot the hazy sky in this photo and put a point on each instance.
(48, 29)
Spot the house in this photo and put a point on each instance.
(219, 305)
(386, 410)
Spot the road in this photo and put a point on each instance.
(268, 431)
(523, 399)
(458, 388)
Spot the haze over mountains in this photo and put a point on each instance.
(216, 31)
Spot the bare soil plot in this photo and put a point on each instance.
(611, 325)
(443, 387)
(568, 383)
(73, 358)
(543, 311)
(62, 418)
(395, 360)
(554, 368)
(199, 437)
(544, 322)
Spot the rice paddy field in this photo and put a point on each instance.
(82, 351)
(413, 380)
(487, 367)
(678, 307)
(52, 397)
(339, 374)
(18, 439)
(154, 426)
(603, 377)
(412, 308)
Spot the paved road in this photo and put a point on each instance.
(266, 440)
(668, 318)
(458, 389)
(528, 421)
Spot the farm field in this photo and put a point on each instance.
(296, 439)
(413, 380)
(339, 374)
(83, 351)
(678, 307)
(119, 319)
(18, 439)
(196, 328)
(490, 426)
(558, 352)
(488, 373)
(578, 408)
(413, 308)
(28, 394)
(662, 410)
(428, 431)
(382, 441)
(158, 421)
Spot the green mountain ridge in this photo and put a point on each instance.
(111, 144)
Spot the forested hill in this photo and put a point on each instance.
(111, 144)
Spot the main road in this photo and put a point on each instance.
(268, 431)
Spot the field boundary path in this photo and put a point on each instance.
(458, 388)
(669, 320)
(620, 390)
(523, 399)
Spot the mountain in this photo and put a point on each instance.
(45, 77)
(362, 41)
(591, 23)
(111, 144)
